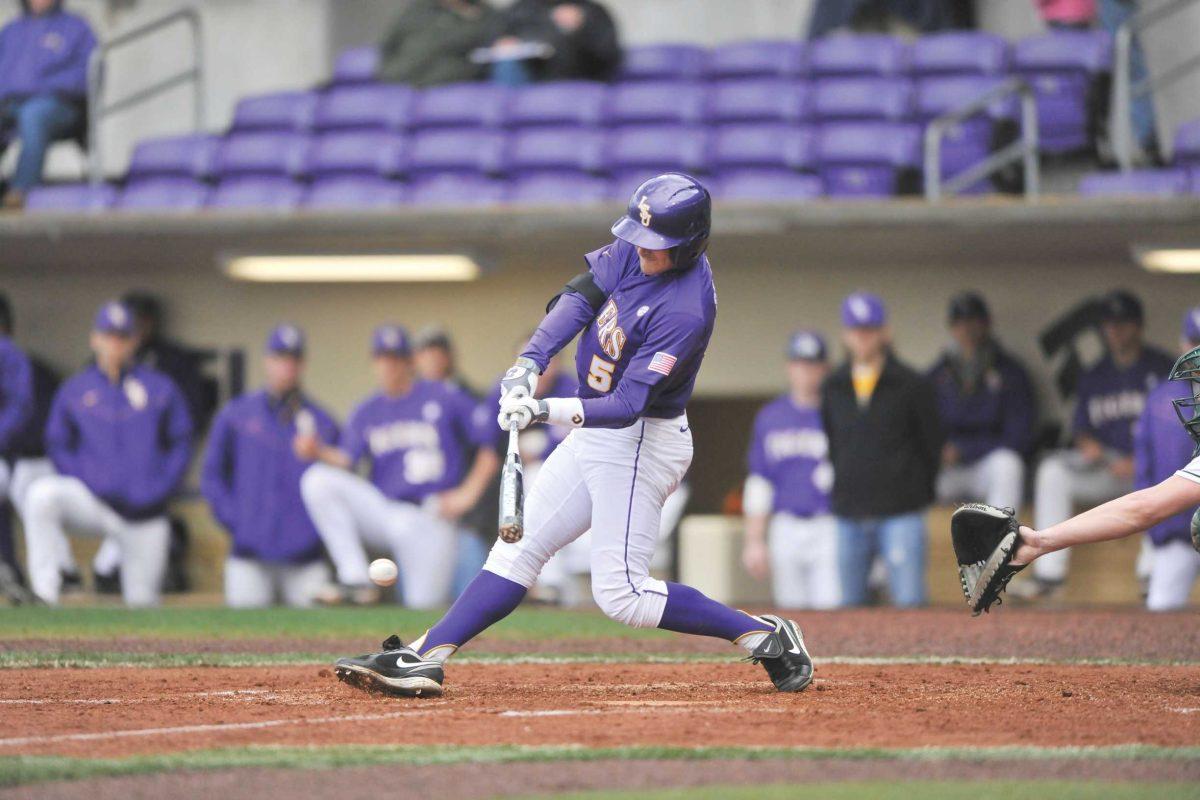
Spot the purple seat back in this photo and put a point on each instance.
(1187, 142)
(554, 189)
(940, 94)
(460, 105)
(448, 189)
(857, 54)
(282, 111)
(356, 65)
(192, 156)
(263, 154)
(548, 149)
(658, 148)
(72, 197)
(663, 62)
(382, 106)
(863, 98)
(163, 194)
(469, 150)
(1064, 51)
(757, 58)
(763, 145)
(892, 144)
(766, 184)
(960, 52)
(759, 100)
(557, 103)
(1139, 182)
(358, 153)
(656, 101)
(355, 191)
(256, 191)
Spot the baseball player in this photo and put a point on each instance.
(1110, 398)
(1159, 447)
(259, 446)
(646, 307)
(417, 436)
(790, 531)
(119, 435)
(985, 401)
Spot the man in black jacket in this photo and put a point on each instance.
(885, 443)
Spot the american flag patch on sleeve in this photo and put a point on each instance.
(662, 363)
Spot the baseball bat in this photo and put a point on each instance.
(512, 492)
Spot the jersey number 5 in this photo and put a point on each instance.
(601, 374)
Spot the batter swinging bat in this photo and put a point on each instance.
(512, 492)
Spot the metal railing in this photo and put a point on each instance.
(98, 110)
(1123, 93)
(1024, 149)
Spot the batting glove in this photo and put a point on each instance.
(523, 410)
(521, 380)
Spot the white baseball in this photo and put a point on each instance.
(382, 572)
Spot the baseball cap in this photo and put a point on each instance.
(968, 305)
(390, 340)
(1121, 306)
(806, 345)
(1191, 325)
(863, 310)
(114, 317)
(286, 340)
(433, 336)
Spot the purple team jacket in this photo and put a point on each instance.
(16, 393)
(45, 54)
(998, 413)
(1160, 447)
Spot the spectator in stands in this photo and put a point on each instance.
(435, 359)
(926, 16)
(790, 530)
(1159, 447)
(580, 34)
(885, 445)
(1099, 466)
(43, 86)
(431, 42)
(1067, 14)
(120, 438)
(987, 411)
(1113, 14)
(260, 445)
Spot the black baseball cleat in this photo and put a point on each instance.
(784, 656)
(397, 670)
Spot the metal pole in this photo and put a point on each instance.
(1029, 143)
(95, 78)
(1120, 125)
(933, 162)
(198, 107)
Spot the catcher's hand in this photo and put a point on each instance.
(985, 540)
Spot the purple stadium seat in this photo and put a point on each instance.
(766, 184)
(558, 189)
(450, 150)
(866, 159)
(355, 191)
(863, 98)
(557, 103)
(192, 156)
(658, 148)
(1063, 67)
(356, 65)
(163, 194)
(656, 101)
(449, 189)
(960, 52)
(282, 111)
(1139, 182)
(70, 198)
(382, 106)
(551, 149)
(757, 59)
(971, 141)
(256, 191)
(263, 154)
(358, 153)
(763, 145)
(857, 54)
(460, 105)
(1187, 143)
(663, 61)
(759, 100)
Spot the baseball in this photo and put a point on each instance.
(382, 572)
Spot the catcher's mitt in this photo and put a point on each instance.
(985, 541)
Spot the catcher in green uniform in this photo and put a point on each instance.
(991, 546)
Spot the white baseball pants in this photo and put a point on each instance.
(58, 503)
(1062, 482)
(804, 561)
(614, 482)
(1173, 570)
(352, 516)
(997, 479)
(255, 584)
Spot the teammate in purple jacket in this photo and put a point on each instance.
(646, 308)
(430, 460)
(251, 479)
(1109, 399)
(120, 438)
(16, 409)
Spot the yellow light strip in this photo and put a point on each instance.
(352, 268)
(1175, 259)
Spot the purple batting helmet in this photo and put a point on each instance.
(670, 212)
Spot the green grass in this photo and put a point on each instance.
(926, 790)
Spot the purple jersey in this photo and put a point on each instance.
(1161, 447)
(251, 475)
(16, 393)
(546, 437)
(1110, 399)
(789, 448)
(991, 411)
(640, 354)
(420, 443)
(129, 441)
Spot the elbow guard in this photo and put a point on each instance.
(584, 284)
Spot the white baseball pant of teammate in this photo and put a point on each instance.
(583, 485)
(804, 561)
(255, 584)
(1174, 567)
(998, 478)
(57, 504)
(352, 515)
